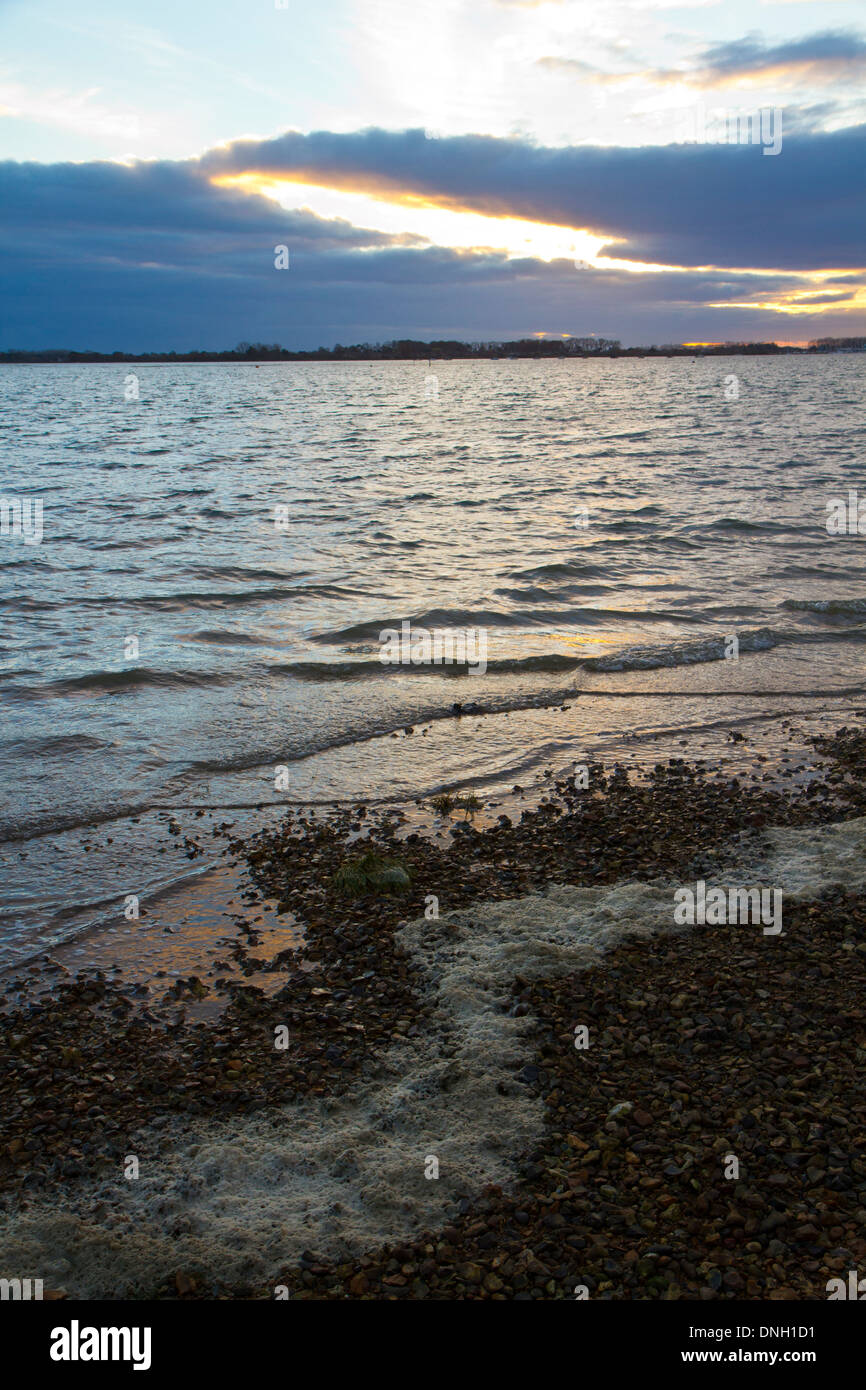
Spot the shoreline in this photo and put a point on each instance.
(531, 350)
(353, 995)
(772, 746)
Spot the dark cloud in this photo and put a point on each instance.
(83, 199)
(687, 205)
(834, 56)
(153, 256)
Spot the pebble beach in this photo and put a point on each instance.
(427, 1124)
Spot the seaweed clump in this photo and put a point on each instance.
(371, 873)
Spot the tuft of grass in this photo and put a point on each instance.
(371, 873)
(446, 802)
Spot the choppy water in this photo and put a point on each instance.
(453, 504)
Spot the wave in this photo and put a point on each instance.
(826, 605)
(183, 792)
(566, 569)
(243, 572)
(119, 683)
(683, 653)
(224, 637)
(37, 824)
(739, 523)
(823, 571)
(51, 745)
(493, 618)
(366, 670)
(229, 597)
(190, 599)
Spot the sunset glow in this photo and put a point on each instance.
(412, 217)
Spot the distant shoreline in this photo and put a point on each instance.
(409, 350)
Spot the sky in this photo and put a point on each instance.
(472, 169)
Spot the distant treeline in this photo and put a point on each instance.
(410, 349)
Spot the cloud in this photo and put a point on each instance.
(825, 115)
(154, 256)
(685, 205)
(831, 56)
(834, 56)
